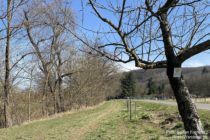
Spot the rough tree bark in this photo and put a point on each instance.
(60, 93)
(186, 107)
(44, 97)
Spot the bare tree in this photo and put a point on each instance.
(8, 29)
(8, 121)
(92, 79)
(156, 34)
(47, 18)
(42, 26)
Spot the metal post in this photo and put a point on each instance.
(127, 103)
(135, 108)
(130, 109)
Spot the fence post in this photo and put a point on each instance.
(135, 109)
(127, 103)
(130, 109)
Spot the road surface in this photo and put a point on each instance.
(198, 105)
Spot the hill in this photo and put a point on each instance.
(197, 79)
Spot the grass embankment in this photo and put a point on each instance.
(109, 121)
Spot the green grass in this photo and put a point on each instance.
(109, 121)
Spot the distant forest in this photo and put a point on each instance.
(197, 79)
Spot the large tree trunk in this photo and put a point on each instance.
(7, 108)
(60, 81)
(187, 108)
(7, 111)
(44, 97)
(61, 96)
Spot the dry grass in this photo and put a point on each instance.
(58, 115)
(109, 120)
(202, 100)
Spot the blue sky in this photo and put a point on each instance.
(91, 22)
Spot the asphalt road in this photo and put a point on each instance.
(198, 105)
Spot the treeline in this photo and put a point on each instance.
(44, 70)
(154, 83)
(88, 81)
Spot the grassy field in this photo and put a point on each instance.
(108, 121)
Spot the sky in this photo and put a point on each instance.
(90, 21)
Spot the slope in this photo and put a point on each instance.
(109, 120)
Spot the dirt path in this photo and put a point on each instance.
(198, 105)
(93, 121)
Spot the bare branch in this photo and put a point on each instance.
(186, 54)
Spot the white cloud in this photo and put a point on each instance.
(193, 63)
(127, 67)
(131, 65)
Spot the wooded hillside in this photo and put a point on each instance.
(198, 80)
